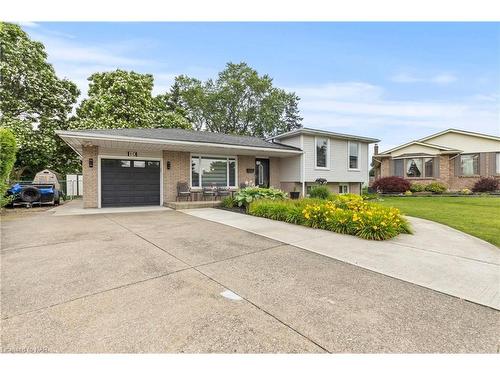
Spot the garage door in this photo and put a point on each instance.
(130, 182)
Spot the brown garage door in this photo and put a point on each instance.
(130, 182)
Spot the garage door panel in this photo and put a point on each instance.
(129, 182)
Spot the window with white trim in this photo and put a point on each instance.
(353, 155)
(208, 171)
(322, 152)
(343, 188)
(469, 164)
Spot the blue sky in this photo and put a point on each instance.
(394, 81)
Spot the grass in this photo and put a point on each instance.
(477, 216)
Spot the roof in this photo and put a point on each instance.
(180, 135)
(325, 133)
(423, 141)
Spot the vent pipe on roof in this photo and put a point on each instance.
(375, 149)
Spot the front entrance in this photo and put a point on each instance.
(262, 172)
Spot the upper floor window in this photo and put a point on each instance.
(469, 164)
(322, 152)
(353, 155)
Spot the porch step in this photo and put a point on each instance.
(197, 204)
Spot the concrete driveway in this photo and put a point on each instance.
(152, 282)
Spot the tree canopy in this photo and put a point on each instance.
(34, 102)
(123, 99)
(239, 101)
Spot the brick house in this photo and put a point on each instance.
(454, 157)
(133, 167)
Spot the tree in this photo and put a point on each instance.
(8, 150)
(239, 101)
(34, 102)
(122, 99)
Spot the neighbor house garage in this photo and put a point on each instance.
(140, 167)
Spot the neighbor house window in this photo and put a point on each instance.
(469, 164)
(321, 152)
(343, 188)
(429, 167)
(498, 163)
(213, 171)
(414, 167)
(353, 155)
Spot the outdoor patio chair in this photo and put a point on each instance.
(223, 192)
(183, 191)
(208, 192)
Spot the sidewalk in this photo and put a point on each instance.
(435, 256)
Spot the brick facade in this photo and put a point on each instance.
(180, 167)
(447, 174)
(90, 180)
(274, 172)
(244, 163)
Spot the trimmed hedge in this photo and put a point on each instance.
(347, 214)
(8, 149)
(436, 187)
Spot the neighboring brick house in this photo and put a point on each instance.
(134, 167)
(454, 157)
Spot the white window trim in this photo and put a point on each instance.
(100, 157)
(327, 168)
(191, 156)
(346, 185)
(349, 156)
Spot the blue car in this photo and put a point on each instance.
(29, 194)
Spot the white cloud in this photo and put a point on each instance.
(362, 108)
(442, 78)
(28, 24)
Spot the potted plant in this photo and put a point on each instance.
(294, 194)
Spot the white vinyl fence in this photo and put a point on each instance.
(74, 185)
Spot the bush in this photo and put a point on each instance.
(8, 150)
(347, 214)
(416, 187)
(436, 187)
(408, 193)
(247, 195)
(229, 202)
(465, 191)
(320, 191)
(391, 184)
(485, 185)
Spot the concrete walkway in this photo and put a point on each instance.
(75, 207)
(435, 256)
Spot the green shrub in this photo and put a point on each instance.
(247, 195)
(229, 202)
(347, 214)
(319, 191)
(416, 187)
(465, 191)
(8, 149)
(436, 187)
(408, 193)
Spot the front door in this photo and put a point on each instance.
(262, 172)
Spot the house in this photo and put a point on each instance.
(457, 158)
(132, 167)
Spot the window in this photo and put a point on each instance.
(321, 152)
(469, 164)
(498, 163)
(139, 164)
(153, 164)
(353, 155)
(399, 167)
(343, 188)
(429, 167)
(125, 163)
(414, 167)
(213, 171)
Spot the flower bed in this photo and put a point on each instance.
(347, 214)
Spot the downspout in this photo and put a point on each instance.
(302, 166)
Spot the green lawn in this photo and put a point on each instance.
(478, 216)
